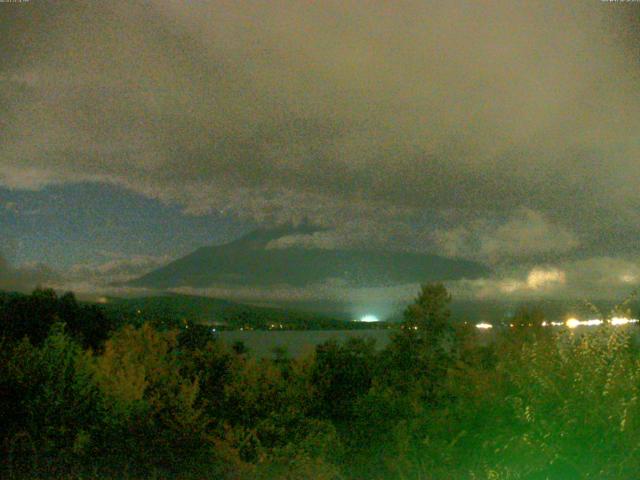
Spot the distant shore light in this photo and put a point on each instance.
(369, 319)
(572, 322)
(623, 320)
(594, 322)
(484, 326)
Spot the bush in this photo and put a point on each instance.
(151, 417)
(54, 402)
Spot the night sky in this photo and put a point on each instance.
(132, 133)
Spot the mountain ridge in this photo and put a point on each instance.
(247, 261)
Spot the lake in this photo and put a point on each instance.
(299, 342)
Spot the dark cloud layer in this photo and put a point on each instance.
(24, 278)
(495, 131)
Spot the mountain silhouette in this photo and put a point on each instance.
(248, 261)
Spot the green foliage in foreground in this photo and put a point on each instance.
(145, 402)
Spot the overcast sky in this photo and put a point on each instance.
(504, 132)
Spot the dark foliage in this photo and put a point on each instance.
(32, 316)
(168, 400)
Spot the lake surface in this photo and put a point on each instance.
(298, 342)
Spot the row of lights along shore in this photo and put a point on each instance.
(573, 323)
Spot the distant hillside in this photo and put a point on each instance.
(172, 308)
(247, 261)
(474, 311)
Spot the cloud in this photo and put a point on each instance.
(604, 277)
(116, 269)
(537, 283)
(540, 278)
(340, 112)
(24, 278)
(11, 207)
(526, 234)
(333, 293)
(360, 232)
(87, 279)
(592, 279)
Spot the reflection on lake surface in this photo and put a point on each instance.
(298, 342)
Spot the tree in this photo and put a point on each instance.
(33, 315)
(48, 398)
(152, 415)
(29, 316)
(341, 375)
(429, 312)
(239, 347)
(421, 352)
